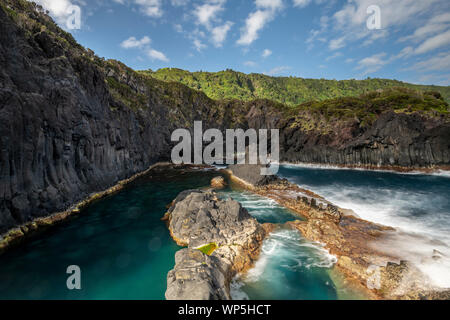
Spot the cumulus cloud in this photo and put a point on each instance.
(60, 10)
(151, 8)
(208, 12)
(256, 21)
(157, 55)
(132, 42)
(144, 44)
(207, 18)
(219, 33)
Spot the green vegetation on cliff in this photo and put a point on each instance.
(365, 109)
(229, 94)
(291, 91)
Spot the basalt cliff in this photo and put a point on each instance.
(73, 124)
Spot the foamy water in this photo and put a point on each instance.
(289, 266)
(286, 263)
(417, 205)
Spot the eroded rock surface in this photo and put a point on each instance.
(218, 183)
(196, 219)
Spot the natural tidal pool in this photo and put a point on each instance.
(124, 250)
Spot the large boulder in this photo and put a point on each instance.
(207, 225)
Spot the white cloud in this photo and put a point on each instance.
(336, 44)
(441, 62)
(373, 63)
(250, 63)
(132, 42)
(151, 8)
(178, 28)
(157, 55)
(179, 3)
(219, 33)
(144, 44)
(277, 70)
(269, 4)
(199, 45)
(266, 11)
(301, 3)
(435, 42)
(406, 52)
(334, 56)
(397, 12)
(347, 24)
(207, 12)
(59, 9)
(434, 25)
(266, 53)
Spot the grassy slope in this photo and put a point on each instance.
(288, 90)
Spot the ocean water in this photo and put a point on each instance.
(122, 247)
(418, 205)
(125, 251)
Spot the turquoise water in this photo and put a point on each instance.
(122, 247)
(289, 267)
(125, 251)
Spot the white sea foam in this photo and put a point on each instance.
(284, 249)
(437, 172)
(421, 216)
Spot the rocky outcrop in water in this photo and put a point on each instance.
(222, 240)
(72, 124)
(355, 242)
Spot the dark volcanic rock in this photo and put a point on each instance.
(251, 173)
(198, 219)
(197, 276)
(63, 133)
(72, 124)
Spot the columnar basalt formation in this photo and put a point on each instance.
(73, 124)
(222, 240)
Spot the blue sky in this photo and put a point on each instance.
(305, 38)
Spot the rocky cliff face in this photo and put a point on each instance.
(392, 140)
(72, 124)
